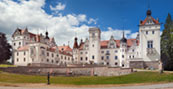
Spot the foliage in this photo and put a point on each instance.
(5, 48)
(167, 44)
(137, 77)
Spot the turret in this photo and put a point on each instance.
(75, 46)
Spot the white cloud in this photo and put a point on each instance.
(62, 27)
(133, 35)
(91, 20)
(117, 33)
(58, 7)
(30, 14)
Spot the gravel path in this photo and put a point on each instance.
(154, 86)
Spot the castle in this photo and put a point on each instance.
(141, 52)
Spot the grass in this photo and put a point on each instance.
(137, 77)
(7, 65)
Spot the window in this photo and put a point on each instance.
(42, 52)
(52, 55)
(23, 53)
(61, 57)
(107, 63)
(147, 32)
(102, 57)
(102, 52)
(81, 52)
(19, 43)
(107, 51)
(133, 56)
(122, 56)
(122, 65)
(93, 34)
(86, 52)
(47, 60)
(150, 44)
(52, 61)
(107, 57)
(47, 54)
(152, 32)
(93, 57)
(17, 53)
(68, 58)
(116, 63)
(81, 58)
(116, 51)
(133, 50)
(116, 57)
(130, 56)
(86, 58)
(65, 58)
(14, 44)
(24, 59)
(93, 45)
(17, 59)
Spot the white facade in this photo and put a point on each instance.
(29, 48)
(141, 52)
(144, 49)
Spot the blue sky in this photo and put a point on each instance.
(66, 19)
(117, 14)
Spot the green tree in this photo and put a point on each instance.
(167, 44)
(5, 49)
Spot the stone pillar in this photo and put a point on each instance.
(160, 67)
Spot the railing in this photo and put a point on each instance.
(151, 51)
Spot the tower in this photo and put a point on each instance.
(75, 51)
(149, 35)
(123, 46)
(94, 45)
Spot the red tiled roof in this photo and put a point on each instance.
(81, 46)
(104, 43)
(23, 48)
(64, 48)
(155, 21)
(52, 49)
(64, 53)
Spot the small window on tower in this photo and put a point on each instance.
(93, 57)
(150, 44)
(93, 45)
(152, 32)
(122, 56)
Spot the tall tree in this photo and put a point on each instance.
(5, 48)
(167, 44)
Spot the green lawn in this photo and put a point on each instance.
(7, 65)
(137, 77)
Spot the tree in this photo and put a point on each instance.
(167, 44)
(5, 49)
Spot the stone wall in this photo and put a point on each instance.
(144, 64)
(70, 71)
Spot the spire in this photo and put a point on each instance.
(47, 37)
(123, 33)
(75, 43)
(123, 39)
(148, 11)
